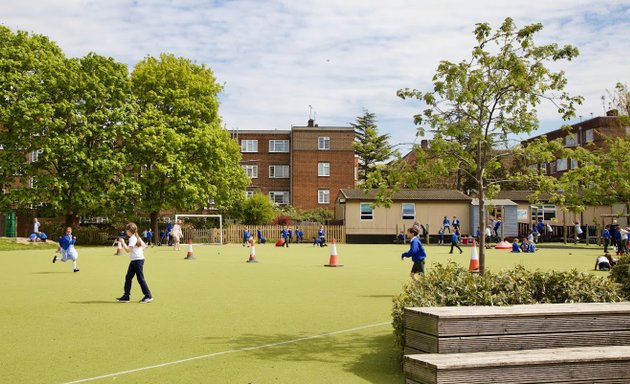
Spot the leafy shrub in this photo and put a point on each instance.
(620, 274)
(281, 220)
(452, 285)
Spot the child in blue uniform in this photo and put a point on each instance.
(416, 252)
(66, 245)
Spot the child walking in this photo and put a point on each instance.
(416, 252)
(135, 249)
(252, 251)
(66, 246)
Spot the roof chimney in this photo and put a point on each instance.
(311, 123)
(612, 112)
(424, 144)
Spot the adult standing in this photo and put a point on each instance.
(177, 234)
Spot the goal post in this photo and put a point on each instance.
(201, 229)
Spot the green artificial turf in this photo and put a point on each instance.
(217, 319)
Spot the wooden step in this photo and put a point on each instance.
(552, 365)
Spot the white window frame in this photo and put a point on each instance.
(323, 196)
(35, 155)
(249, 194)
(249, 146)
(574, 164)
(366, 215)
(588, 135)
(546, 212)
(279, 172)
(543, 168)
(571, 141)
(408, 216)
(323, 169)
(273, 146)
(285, 197)
(251, 170)
(561, 164)
(323, 143)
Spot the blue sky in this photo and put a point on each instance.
(277, 58)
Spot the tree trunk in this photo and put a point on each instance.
(482, 232)
(72, 220)
(154, 226)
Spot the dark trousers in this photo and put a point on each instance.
(606, 243)
(136, 268)
(454, 244)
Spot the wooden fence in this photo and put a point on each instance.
(231, 234)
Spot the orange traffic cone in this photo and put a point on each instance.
(333, 255)
(474, 258)
(119, 249)
(189, 255)
(503, 245)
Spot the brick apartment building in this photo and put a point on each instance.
(590, 133)
(305, 166)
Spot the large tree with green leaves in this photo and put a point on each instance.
(370, 147)
(63, 120)
(182, 157)
(30, 66)
(489, 97)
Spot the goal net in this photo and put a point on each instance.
(201, 229)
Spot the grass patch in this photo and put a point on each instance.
(59, 326)
(10, 244)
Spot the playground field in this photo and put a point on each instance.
(217, 319)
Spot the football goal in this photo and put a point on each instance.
(202, 229)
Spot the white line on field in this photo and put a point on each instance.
(227, 352)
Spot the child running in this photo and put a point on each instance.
(136, 266)
(66, 245)
(416, 252)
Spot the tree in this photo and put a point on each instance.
(80, 169)
(63, 119)
(618, 99)
(183, 159)
(257, 210)
(30, 65)
(370, 147)
(488, 98)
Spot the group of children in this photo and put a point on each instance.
(286, 237)
(526, 246)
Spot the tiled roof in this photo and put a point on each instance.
(520, 195)
(408, 194)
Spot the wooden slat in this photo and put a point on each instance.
(471, 321)
(560, 365)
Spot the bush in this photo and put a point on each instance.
(620, 274)
(452, 285)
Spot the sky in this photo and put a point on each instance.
(283, 61)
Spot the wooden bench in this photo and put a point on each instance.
(564, 365)
(476, 329)
(543, 343)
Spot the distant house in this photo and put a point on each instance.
(366, 223)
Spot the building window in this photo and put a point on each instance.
(323, 196)
(570, 141)
(367, 212)
(543, 168)
(408, 211)
(545, 212)
(552, 167)
(251, 171)
(574, 164)
(278, 145)
(279, 197)
(35, 155)
(323, 169)
(278, 171)
(249, 145)
(588, 135)
(249, 194)
(323, 143)
(561, 165)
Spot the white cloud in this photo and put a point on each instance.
(279, 57)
